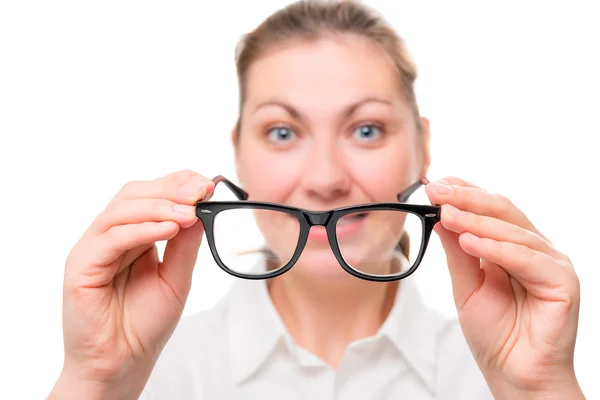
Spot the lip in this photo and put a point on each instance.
(317, 234)
(347, 229)
(343, 230)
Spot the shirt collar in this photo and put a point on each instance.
(255, 328)
(412, 327)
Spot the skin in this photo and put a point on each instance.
(308, 89)
(517, 296)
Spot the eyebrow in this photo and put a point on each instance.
(348, 111)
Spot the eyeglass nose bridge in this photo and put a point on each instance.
(317, 218)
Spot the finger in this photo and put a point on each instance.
(144, 210)
(465, 271)
(131, 255)
(453, 180)
(94, 261)
(493, 228)
(142, 265)
(480, 202)
(185, 187)
(539, 273)
(180, 258)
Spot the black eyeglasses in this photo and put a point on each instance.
(379, 242)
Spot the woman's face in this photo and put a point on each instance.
(325, 125)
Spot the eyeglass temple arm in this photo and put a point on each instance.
(243, 195)
(406, 193)
(238, 191)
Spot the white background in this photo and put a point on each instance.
(94, 94)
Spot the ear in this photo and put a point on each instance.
(235, 136)
(235, 142)
(425, 143)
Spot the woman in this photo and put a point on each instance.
(328, 119)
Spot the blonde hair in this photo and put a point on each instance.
(315, 19)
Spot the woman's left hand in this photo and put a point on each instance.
(517, 296)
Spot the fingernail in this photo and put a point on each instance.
(453, 211)
(184, 208)
(441, 188)
(193, 188)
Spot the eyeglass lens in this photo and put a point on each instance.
(376, 243)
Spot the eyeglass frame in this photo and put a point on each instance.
(206, 212)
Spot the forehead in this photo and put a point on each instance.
(324, 73)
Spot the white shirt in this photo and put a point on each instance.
(240, 349)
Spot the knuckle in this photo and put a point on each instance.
(184, 175)
(566, 260)
(452, 179)
(504, 200)
(126, 191)
(521, 235)
(504, 249)
(163, 207)
(463, 194)
(570, 297)
(110, 212)
(179, 179)
(110, 235)
(475, 219)
(529, 253)
(111, 207)
(504, 203)
(566, 263)
(129, 187)
(102, 220)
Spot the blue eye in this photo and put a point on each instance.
(367, 132)
(281, 134)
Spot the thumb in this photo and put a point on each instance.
(465, 270)
(180, 258)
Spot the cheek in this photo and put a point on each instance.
(384, 172)
(269, 175)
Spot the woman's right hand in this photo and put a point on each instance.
(120, 302)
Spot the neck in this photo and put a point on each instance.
(324, 317)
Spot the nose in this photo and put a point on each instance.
(326, 174)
